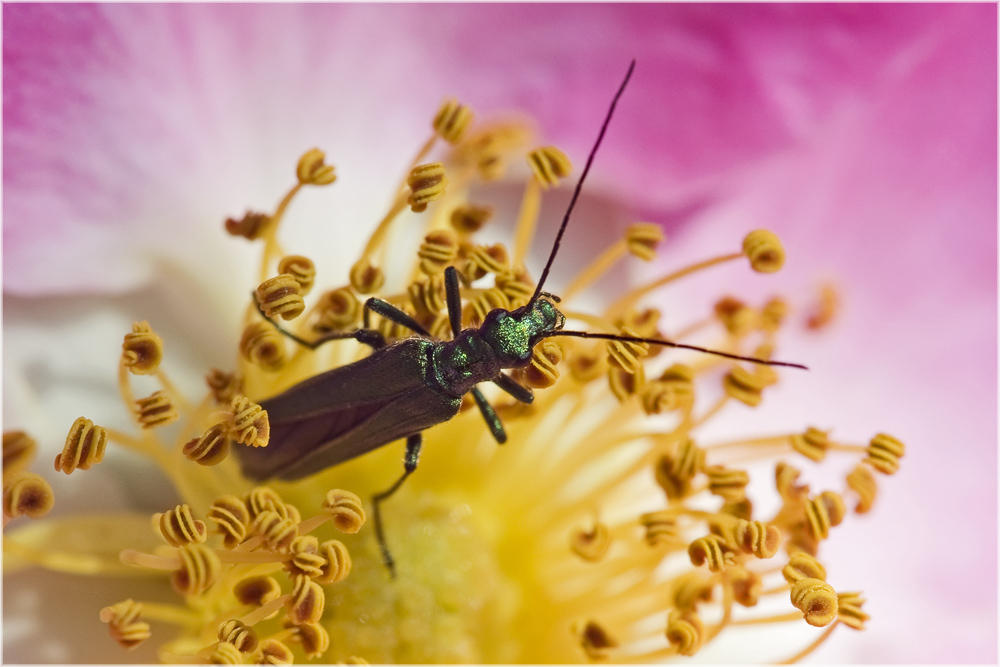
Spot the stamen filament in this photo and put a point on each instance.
(777, 618)
(70, 563)
(265, 610)
(527, 219)
(812, 647)
(597, 268)
(628, 302)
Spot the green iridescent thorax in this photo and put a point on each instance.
(512, 335)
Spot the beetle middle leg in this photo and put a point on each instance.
(413, 444)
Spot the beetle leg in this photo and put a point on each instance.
(454, 300)
(366, 336)
(413, 444)
(490, 415)
(515, 389)
(393, 314)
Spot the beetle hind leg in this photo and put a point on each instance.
(413, 444)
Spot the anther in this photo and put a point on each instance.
(274, 652)
(595, 641)
(666, 395)
(84, 447)
(438, 251)
(305, 605)
(337, 310)
(817, 601)
(306, 558)
(626, 355)
(18, 451)
(746, 387)
(642, 239)
(428, 294)
(366, 278)
(224, 386)
(301, 269)
(543, 370)
(346, 509)
(262, 346)
(826, 308)
(314, 638)
(277, 533)
(179, 527)
(549, 164)
(691, 589)
(27, 494)
(249, 424)
(200, 567)
(124, 624)
(849, 610)
(757, 538)
(428, 183)
(823, 512)
(675, 470)
(280, 296)
(812, 444)
(862, 481)
(231, 518)
(884, 452)
(586, 365)
(210, 448)
(251, 226)
(711, 551)
(773, 314)
(337, 562)
(475, 311)
(661, 527)
(764, 250)
(685, 632)
(737, 317)
(785, 478)
(156, 410)
(727, 483)
(225, 654)
(803, 566)
(592, 544)
(312, 170)
(624, 384)
(467, 219)
(239, 635)
(746, 586)
(452, 120)
(257, 590)
(142, 350)
(486, 259)
(516, 287)
(263, 498)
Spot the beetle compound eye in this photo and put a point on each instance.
(84, 447)
(427, 183)
(280, 296)
(452, 120)
(313, 170)
(142, 350)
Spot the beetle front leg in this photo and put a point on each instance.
(515, 389)
(390, 312)
(365, 336)
(490, 415)
(413, 444)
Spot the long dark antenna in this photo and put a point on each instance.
(579, 186)
(667, 343)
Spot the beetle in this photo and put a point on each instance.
(400, 390)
